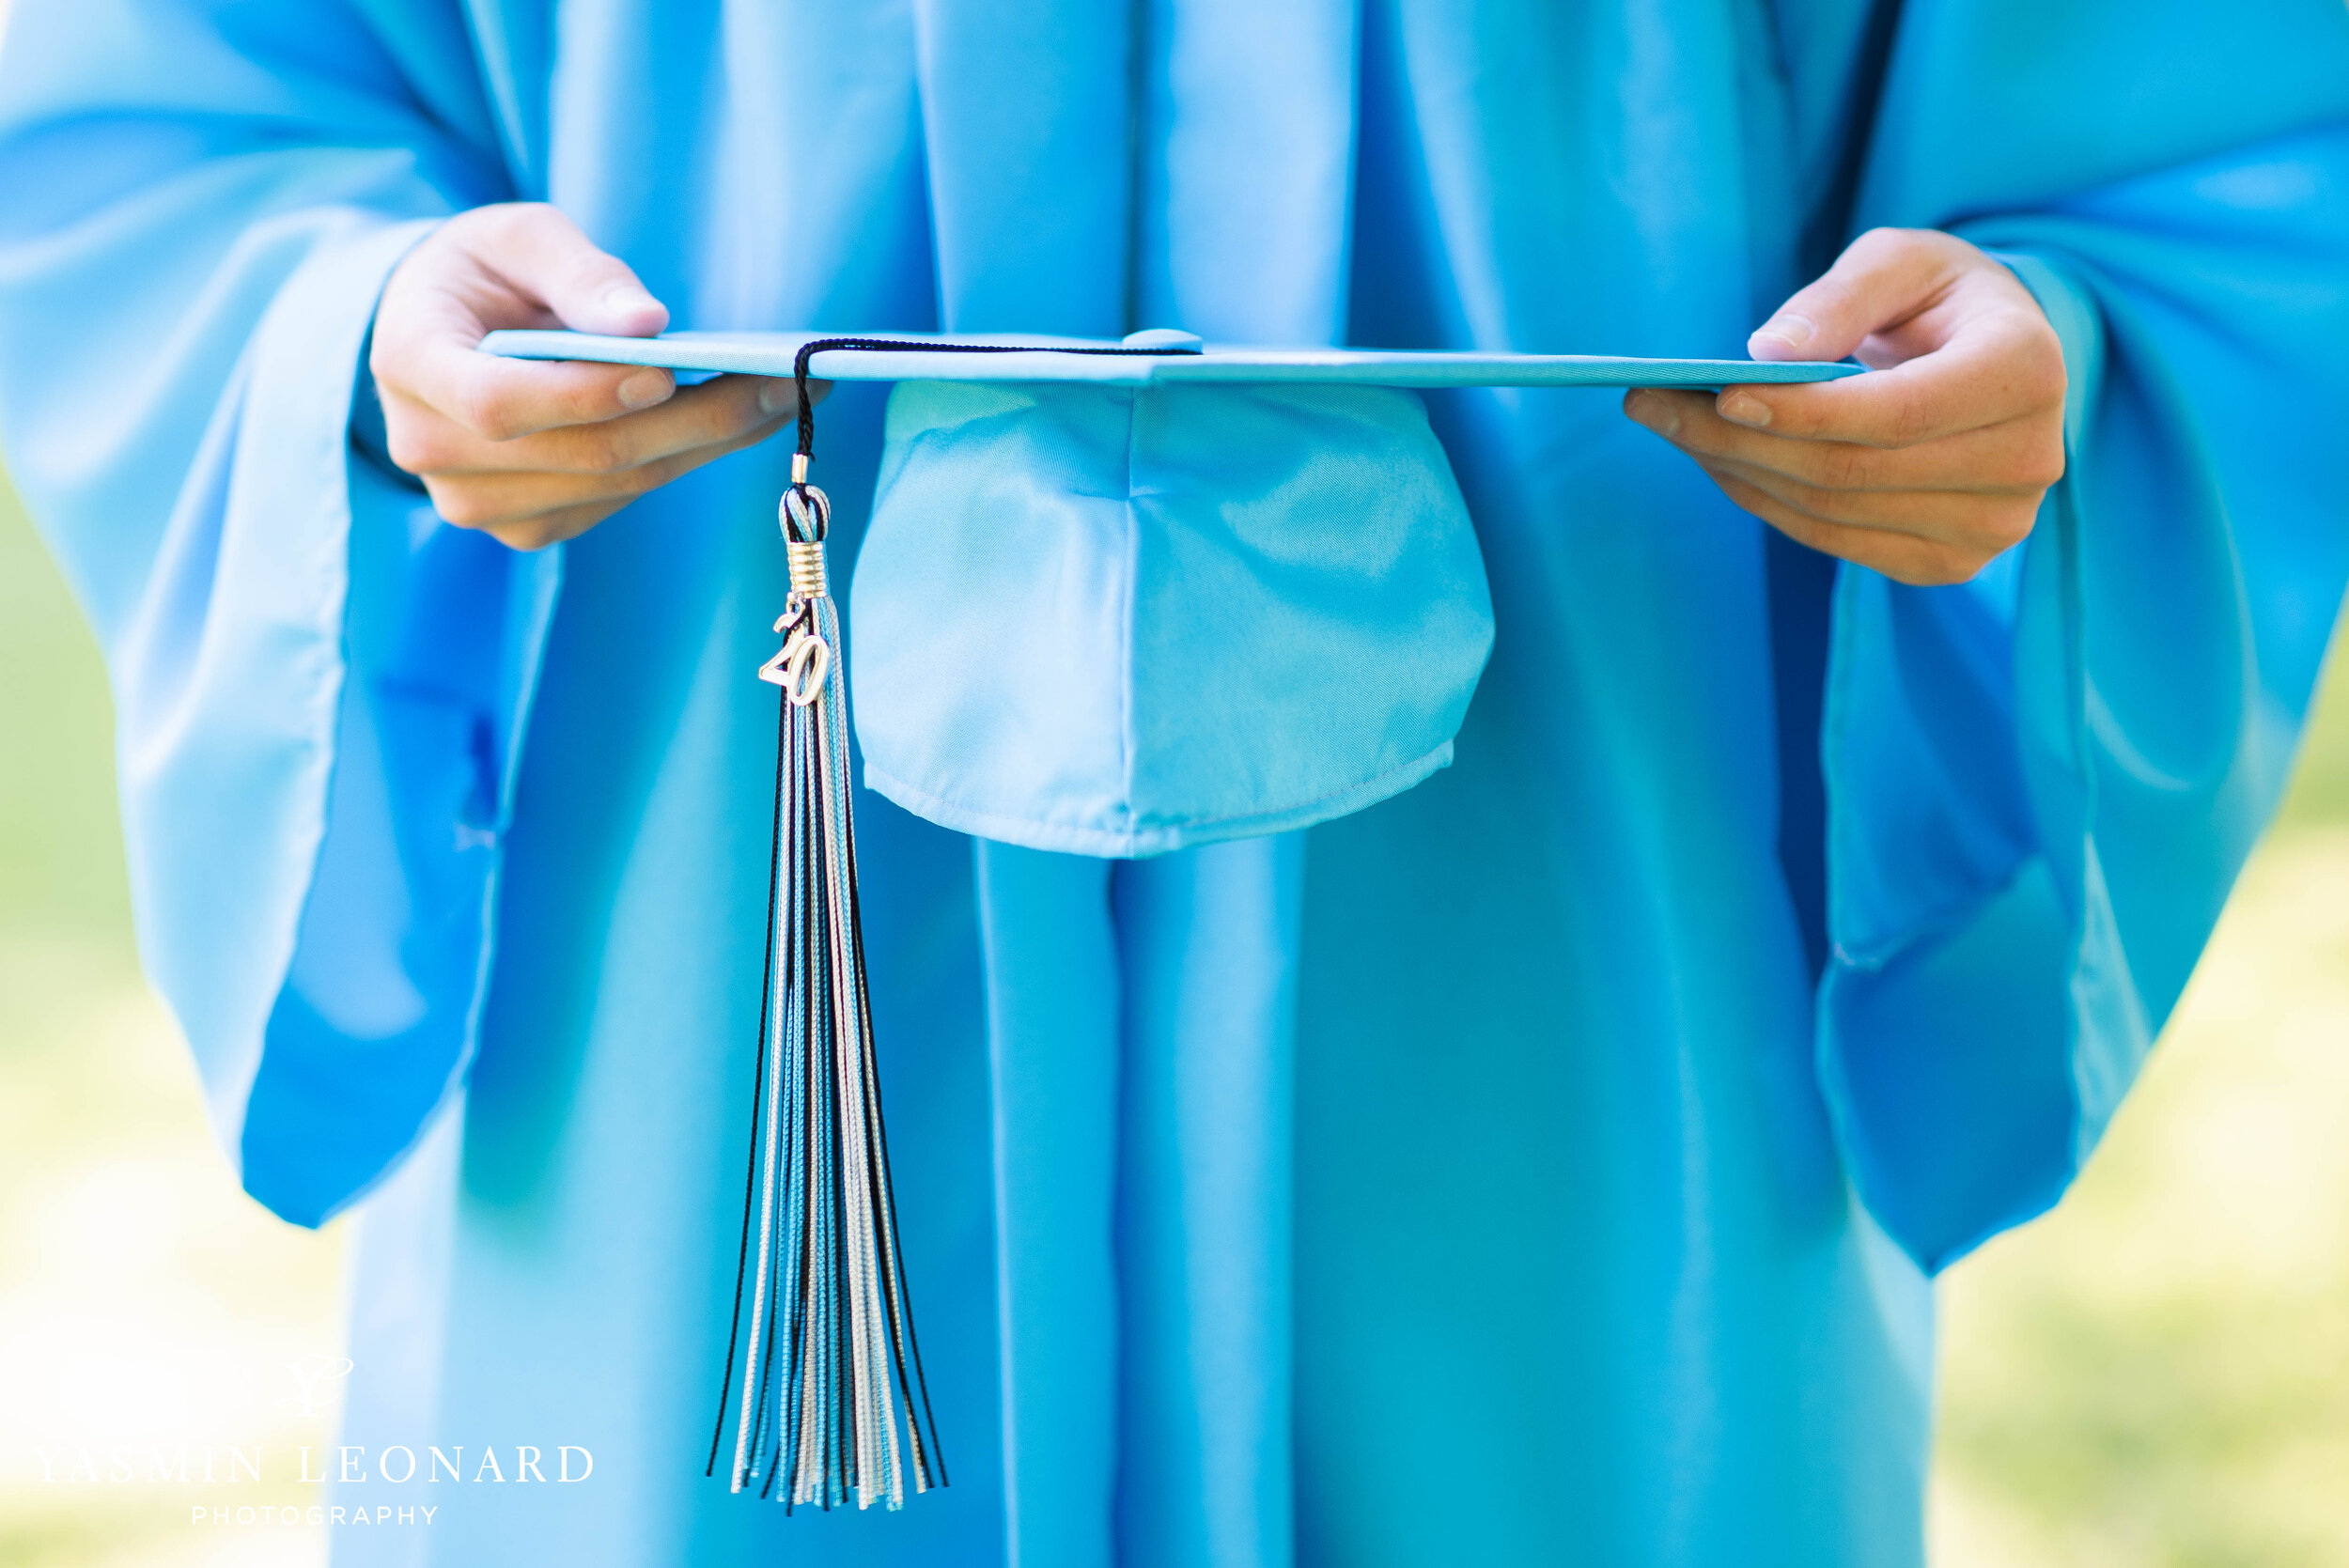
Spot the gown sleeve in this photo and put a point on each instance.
(318, 685)
(2042, 783)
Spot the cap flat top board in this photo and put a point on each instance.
(1184, 362)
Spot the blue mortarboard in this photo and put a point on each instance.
(1122, 597)
(1114, 599)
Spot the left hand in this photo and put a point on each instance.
(1925, 468)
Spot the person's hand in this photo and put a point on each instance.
(1927, 467)
(535, 452)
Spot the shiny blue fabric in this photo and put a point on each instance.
(1476, 1177)
(1124, 622)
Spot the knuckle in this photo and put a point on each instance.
(490, 214)
(412, 449)
(1852, 508)
(598, 450)
(1949, 565)
(1985, 535)
(2010, 526)
(630, 482)
(528, 537)
(1932, 568)
(464, 506)
(396, 356)
(1803, 531)
(383, 356)
(508, 220)
(1803, 497)
(2044, 465)
(461, 229)
(478, 408)
(1841, 466)
(1798, 419)
(1883, 246)
(734, 421)
(456, 510)
(1699, 438)
(2043, 380)
(1879, 241)
(1905, 420)
(1731, 485)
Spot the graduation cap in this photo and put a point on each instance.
(1115, 599)
(1123, 597)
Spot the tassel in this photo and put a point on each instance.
(832, 1403)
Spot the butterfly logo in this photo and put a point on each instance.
(311, 1373)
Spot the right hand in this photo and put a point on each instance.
(535, 452)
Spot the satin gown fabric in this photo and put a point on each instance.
(1484, 1177)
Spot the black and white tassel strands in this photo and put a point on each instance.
(830, 1405)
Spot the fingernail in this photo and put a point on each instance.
(1793, 331)
(775, 394)
(1656, 413)
(646, 388)
(1744, 407)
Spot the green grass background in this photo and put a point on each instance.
(2153, 1377)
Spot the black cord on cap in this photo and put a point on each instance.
(808, 350)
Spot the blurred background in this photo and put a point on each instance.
(2153, 1377)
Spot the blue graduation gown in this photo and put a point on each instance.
(1548, 1165)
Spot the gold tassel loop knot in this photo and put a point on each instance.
(805, 517)
(807, 569)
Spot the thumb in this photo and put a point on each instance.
(543, 254)
(1882, 278)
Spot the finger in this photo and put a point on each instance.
(1883, 276)
(1902, 557)
(496, 399)
(425, 351)
(1983, 523)
(492, 501)
(552, 528)
(1993, 369)
(538, 250)
(716, 411)
(2022, 456)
